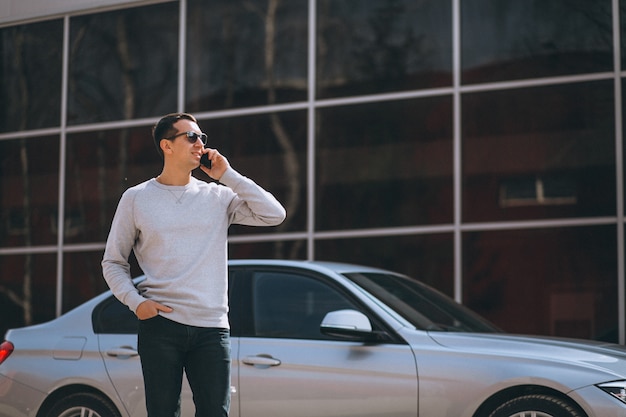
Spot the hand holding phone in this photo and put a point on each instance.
(214, 164)
(204, 160)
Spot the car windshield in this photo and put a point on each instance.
(422, 306)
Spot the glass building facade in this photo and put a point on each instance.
(473, 144)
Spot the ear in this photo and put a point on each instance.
(166, 146)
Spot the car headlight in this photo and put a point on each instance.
(615, 388)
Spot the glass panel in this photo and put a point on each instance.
(293, 306)
(29, 187)
(509, 39)
(30, 76)
(246, 53)
(420, 305)
(82, 277)
(384, 164)
(100, 167)
(27, 290)
(560, 282)
(271, 150)
(428, 258)
(113, 317)
(544, 152)
(268, 250)
(123, 64)
(376, 46)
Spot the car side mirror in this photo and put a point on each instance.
(351, 325)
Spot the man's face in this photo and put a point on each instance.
(182, 151)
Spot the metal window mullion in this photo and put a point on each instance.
(619, 170)
(182, 51)
(62, 164)
(311, 131)
(457, 160)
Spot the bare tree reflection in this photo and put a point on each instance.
(127, 69)
(25, 299)
(289, 155)
(127, 66)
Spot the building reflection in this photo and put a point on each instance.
(486, 166)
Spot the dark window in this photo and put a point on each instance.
(30, 76)
(27, 289)
(384, 164)
(420, 305)
(244, 53)
(377, 46)
(561, 138)
(509, 39)
(292, 306)
(553, 281)
(123, 64)
(82, 276)
(29, 185)
(113, 317)
(100, 166)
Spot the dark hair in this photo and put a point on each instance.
(165, 127)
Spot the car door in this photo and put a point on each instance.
(116, 327)
(287, 367)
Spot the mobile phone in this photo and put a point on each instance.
(204, 160)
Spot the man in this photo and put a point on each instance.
(177, 226)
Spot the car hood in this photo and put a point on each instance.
(600, 356)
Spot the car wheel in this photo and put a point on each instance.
(536, 406)
(83, 405)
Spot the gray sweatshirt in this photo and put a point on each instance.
(179, 236)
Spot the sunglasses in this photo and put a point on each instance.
(192, 137)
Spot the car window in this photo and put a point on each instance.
(421, 305)
(113, 317)
(292, 306)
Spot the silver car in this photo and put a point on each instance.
(313, 339)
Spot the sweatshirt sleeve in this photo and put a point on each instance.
(115, 266)
(251, 205)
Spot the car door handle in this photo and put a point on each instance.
(122, 351)
(261, 360)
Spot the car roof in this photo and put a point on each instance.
(320, 266)
(324, 267)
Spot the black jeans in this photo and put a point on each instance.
(166, 348)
